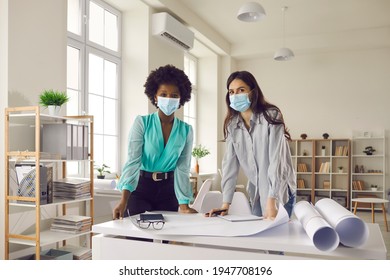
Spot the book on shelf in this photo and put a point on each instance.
(326, 184)
(71, 224)
(341, 151)
(324, 167)
(302, 167)
(72, 188)
(301, 183)
(358, 185)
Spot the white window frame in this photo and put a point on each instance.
(115, 12)
(194, 98)
(86, 47)
(80, 46)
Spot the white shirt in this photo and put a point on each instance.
(264, 155)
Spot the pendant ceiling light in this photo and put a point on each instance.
(250, 12)
(284, 53)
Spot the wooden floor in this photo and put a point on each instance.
(379, 219)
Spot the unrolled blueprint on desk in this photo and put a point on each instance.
(197, 224)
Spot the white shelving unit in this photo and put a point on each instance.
(368, 170)
(25, 123)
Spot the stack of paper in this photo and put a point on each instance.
(71, 224)
(72, 188)
(79, 253)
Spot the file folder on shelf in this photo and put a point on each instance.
(58, 139)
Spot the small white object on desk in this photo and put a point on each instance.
(107, 184)
(240, 218)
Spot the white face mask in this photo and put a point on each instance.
(240, 102)
(168, 105)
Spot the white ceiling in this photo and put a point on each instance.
(303, 17)
(311, 25)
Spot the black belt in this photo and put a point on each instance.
(157, 176)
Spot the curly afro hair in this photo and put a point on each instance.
(171, 75)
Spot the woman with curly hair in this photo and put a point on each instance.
(257, 141)
(156, 174)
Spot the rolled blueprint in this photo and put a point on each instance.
(104, 184)
(352, 231)
(322, 234)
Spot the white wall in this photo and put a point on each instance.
(3, 105)
(135, 68)
(207, 111)
(35, 34)
(37, 49)
(334, 92)
(142, 52)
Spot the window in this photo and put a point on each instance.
(190, 68)
(93, 74)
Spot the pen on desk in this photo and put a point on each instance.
(217, 212)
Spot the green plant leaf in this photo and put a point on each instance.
(101, 169)
(52, 97)
(200, 151)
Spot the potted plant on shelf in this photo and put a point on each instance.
(325, 135)
(369, 150)
(101, 169)
(53, 100)
(340, 168)
(374, 188)
(198, 152)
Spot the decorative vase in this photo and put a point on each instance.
(197, 167)
(54, 110)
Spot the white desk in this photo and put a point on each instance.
(111, 243)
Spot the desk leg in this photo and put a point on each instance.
(373, 213)
(384, 216)
(354, 210)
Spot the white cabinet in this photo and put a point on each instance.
(27, 219)
(368, 168)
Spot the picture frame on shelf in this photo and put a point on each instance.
(366, 134)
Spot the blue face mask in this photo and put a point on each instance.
(239, 102)
(168, 105)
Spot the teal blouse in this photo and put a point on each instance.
(146, 152)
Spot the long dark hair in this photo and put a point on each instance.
(258, 103)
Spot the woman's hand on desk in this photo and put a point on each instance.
(218, 211)
(270, 209)
(118, 211)
(184, 208)
(120, 208)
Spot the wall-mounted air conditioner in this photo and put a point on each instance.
(167, 27)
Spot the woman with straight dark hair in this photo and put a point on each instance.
(257, 141)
